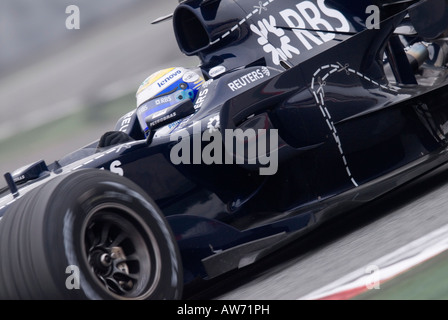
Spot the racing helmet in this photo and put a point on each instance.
(166, 88)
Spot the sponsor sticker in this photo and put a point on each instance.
(168, 79)
(158, 113)
(216, 71)
(303, 19)
(248, 79)
(190, 77)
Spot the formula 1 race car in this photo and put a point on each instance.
(299, 110)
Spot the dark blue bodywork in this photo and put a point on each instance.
(355, 121)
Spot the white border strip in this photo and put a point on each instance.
(389, 266)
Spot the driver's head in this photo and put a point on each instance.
(164, 89)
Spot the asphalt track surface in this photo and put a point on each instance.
(117, 57)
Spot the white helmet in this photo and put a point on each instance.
(164, 89)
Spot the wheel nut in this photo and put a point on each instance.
(105, 260)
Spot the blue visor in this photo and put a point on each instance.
(157, 106)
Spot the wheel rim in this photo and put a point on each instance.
(121, 252)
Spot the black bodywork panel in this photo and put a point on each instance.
(354, 121)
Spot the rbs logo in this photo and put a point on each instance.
(305, 15)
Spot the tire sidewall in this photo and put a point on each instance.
(65, 229)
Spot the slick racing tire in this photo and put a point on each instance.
(89, 234)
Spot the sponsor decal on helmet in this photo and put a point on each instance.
(152, 78)
(190, 76)
(169, 78)
(155, 84)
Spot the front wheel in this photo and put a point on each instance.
(89, 234)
